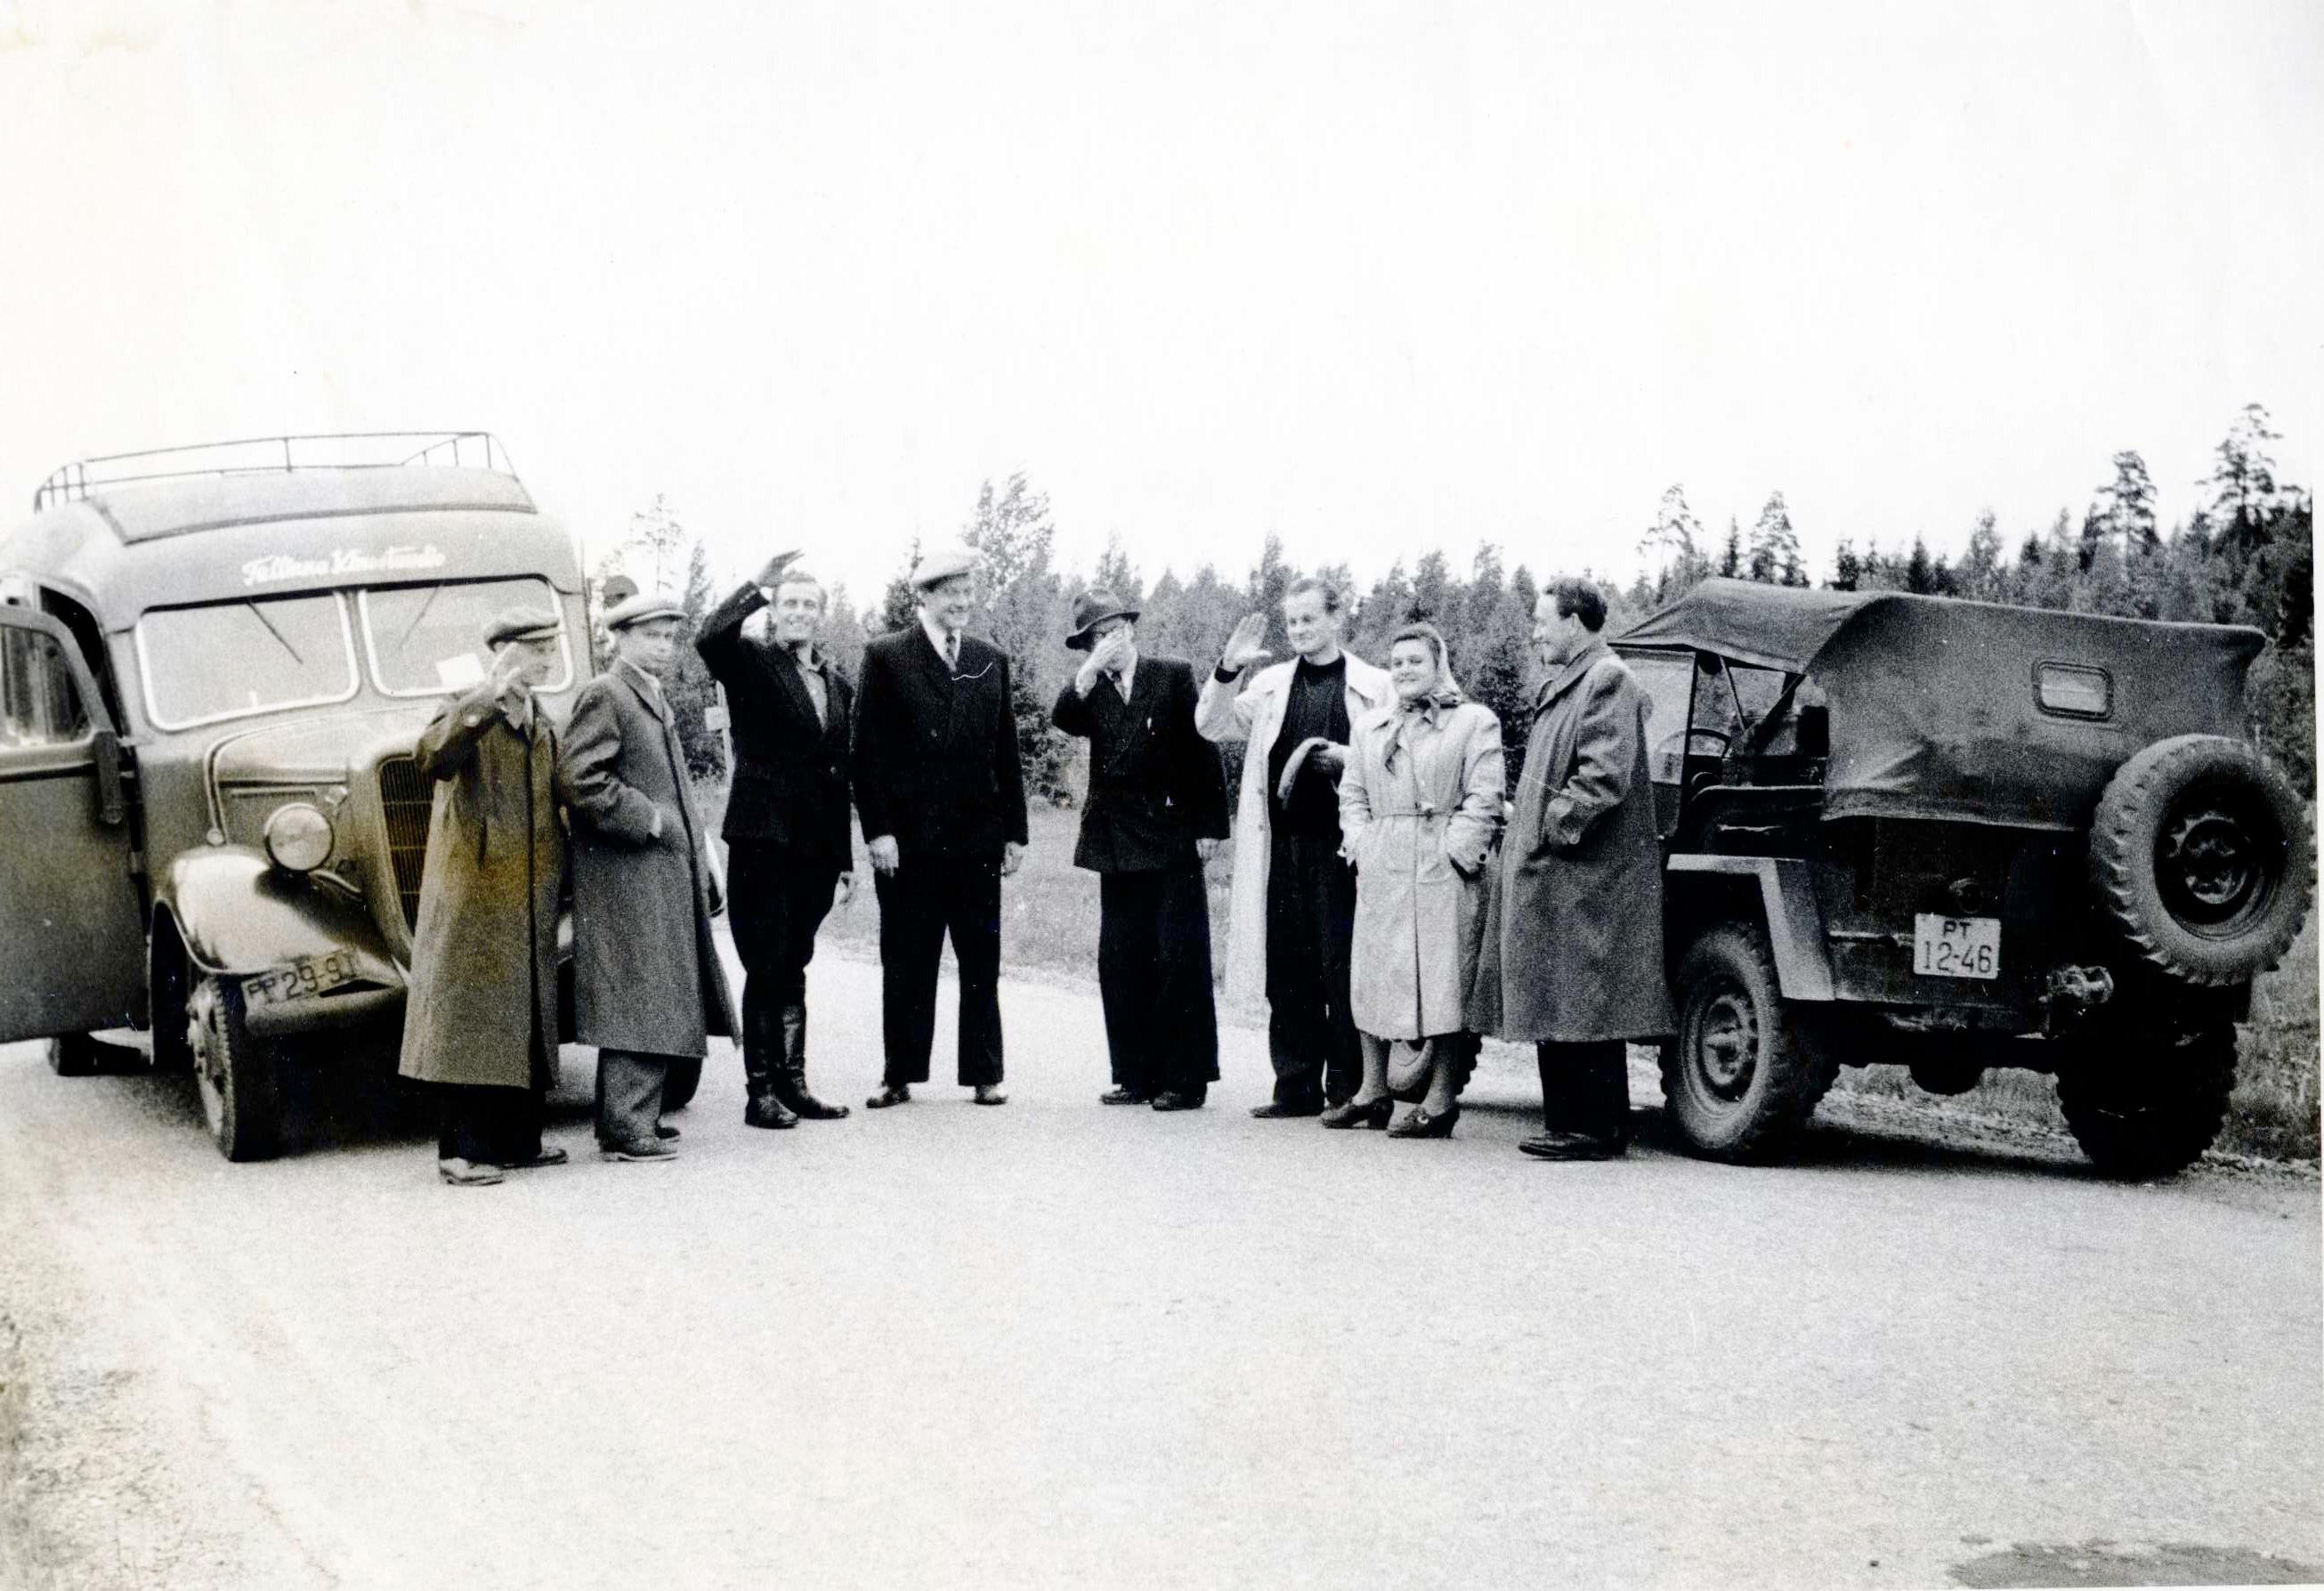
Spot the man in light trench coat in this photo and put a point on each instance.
(647, 984)
(1579, 935)
(482, 1023)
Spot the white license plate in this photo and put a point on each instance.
(301, 979)
(1957, 946)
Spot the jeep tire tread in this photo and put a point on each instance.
(2145, 1110)
(1746, 1069)
(2199, 857)
(234, 1073)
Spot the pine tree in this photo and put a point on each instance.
(1847, 569)
(2126, 505)
(1775, 545)
(1730, 556)
(691, 692)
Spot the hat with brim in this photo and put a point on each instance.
(942, 563)
(1091, 609)
(644, 606)
(521, 624)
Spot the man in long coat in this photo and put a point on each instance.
(1580, 946)
(942, 799)
(481, 1024)
(1291, 916)
(1156, 810)
(788, 855)
(647, 984)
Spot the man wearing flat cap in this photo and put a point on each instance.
(647, 984)
(941, 799)
(787, 849)
(1157, 811)
(481, 1025)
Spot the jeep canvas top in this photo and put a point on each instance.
(1953, 836)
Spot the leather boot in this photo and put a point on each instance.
(762, 1074)
(791, 1073)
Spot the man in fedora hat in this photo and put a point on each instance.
(941, 799)
(1157, 811)
(481, 1021)
(788, 851)
(648, 987)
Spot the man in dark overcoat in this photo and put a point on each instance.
(647, 984)
(1580, 940)
(941, 799)
(1157, 811)
(787, 849)
(481, 1024)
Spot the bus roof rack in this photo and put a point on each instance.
(375, 449)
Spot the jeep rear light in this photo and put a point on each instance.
(2073, 692)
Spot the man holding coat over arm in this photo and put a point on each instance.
(648, 987)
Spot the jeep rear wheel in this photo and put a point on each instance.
(1744, 1073)
(234, 1073)
(2198, 854)
(2147, 1109)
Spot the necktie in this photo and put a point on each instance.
(952, 651)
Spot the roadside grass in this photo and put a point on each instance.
(1051, 920)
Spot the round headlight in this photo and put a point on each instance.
(298, 837)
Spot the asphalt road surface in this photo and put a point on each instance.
(1059, 1344)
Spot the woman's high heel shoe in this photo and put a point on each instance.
(1352, 1115)
(1424, 1124)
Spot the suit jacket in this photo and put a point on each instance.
(1156, 785)
(790, 768)
(935, 756)
(646, 973)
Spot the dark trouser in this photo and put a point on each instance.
(1585, 1088)
(489, 1126)
(1154, 974)
(775, 905)
(920, 903)
(1311, 926)
(629, 1098)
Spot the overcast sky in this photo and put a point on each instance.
(1373, 277)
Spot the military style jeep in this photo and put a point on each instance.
(214, 665)
(1952, 835)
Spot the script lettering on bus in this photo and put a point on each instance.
(277, 567)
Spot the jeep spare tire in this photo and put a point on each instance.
(2200, 856)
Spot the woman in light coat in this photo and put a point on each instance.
(1419, 806)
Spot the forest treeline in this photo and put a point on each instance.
(2242, 556)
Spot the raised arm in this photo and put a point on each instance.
(449, 744)
(720, 640)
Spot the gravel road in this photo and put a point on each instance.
(1059, 1344)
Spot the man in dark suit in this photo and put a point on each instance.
(942, 799)
(647, 984)
(788, 851)
(1157, 811)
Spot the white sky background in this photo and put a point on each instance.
(1375, 277)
